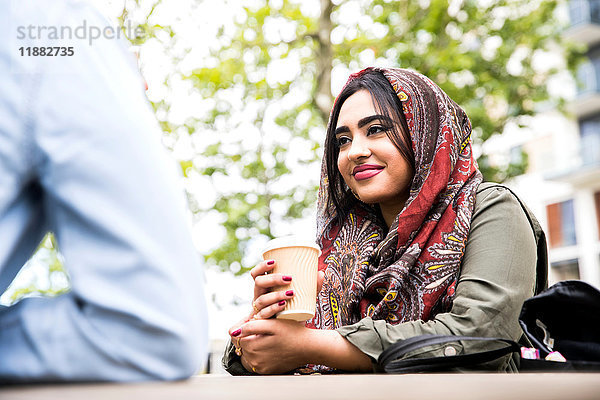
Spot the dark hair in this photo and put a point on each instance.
(386, 103)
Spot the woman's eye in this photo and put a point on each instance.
(342, 140)
(374, 129)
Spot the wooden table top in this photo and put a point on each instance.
(546, 386)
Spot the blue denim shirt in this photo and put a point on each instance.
(81, 156)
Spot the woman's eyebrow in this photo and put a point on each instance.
(362, 122)
(341, 129)
(371, 118)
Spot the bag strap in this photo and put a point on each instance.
(389, 359)
(541, 280)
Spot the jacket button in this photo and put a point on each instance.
(449, 351)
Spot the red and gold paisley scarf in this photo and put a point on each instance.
(410, 272)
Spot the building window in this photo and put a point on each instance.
(590, 141)
(597, 201)
(588, 74)
(565, 270)
(584, 11)
(561, 224)
(586, 78)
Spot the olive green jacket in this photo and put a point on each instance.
(505, 262)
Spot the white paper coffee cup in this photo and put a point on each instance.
(297, 257)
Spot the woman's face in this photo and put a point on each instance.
(368, 160)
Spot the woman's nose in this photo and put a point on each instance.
(358, 149)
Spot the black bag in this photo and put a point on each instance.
(563, 318)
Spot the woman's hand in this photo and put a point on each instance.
(276, 346)
(266, 303)
(273, 346)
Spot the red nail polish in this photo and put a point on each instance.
(236, 332)
(289, 293)
(286, 278)
(270, 262)
(282, 302)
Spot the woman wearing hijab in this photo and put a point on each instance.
(412, 242)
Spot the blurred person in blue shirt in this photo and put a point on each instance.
(80, 156)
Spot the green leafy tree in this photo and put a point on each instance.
(485, 55)
(266, 90)
(43, 275)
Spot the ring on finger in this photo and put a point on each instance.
(256, 310)
(238, 347)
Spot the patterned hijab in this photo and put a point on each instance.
(408, 272)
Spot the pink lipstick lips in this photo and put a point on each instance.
(366, 171)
